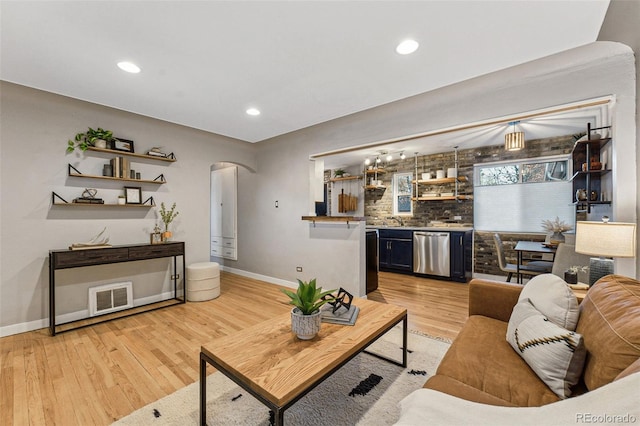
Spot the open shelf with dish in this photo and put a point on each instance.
(589, 161)
(420, 185)
(372, 175)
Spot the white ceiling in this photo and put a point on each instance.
(300, 62)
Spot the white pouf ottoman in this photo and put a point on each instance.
(203, 281)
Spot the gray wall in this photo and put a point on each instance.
(35, 126)
(271, 241)
(595, 70)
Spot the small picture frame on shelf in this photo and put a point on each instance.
(133, 195)
(156, 237)
(124, 145)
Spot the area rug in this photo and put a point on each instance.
(365, 391)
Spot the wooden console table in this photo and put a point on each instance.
(65, 259)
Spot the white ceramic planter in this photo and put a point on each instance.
(305, 326)
(100, 143)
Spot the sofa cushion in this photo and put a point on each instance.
(481, 358)
(553, 298)
(554, 353)
(616, 403)
(453, 387)
(632, 369)
(610, 325)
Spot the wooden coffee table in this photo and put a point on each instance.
(273, 365)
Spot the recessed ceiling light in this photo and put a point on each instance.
(129, 67)
(253, 111)
(407, 47)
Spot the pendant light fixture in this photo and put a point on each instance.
(514, 141)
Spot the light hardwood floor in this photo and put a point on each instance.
(98, 374)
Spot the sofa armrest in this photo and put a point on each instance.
(493, 299)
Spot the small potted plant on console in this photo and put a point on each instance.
(305, 316)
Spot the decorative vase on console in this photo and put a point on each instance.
(167, 218)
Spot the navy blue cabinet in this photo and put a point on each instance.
(395, 250)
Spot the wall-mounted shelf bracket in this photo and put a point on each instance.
(54, 196)
(160, 178)
(150, 201)
(70, 168)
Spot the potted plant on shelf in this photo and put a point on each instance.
(305, 316)
(556, 228)
(98, 138)
(167, 217)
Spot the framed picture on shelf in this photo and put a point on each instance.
(133, 195)
(156, 237)
(123, 145)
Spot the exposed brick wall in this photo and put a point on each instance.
(378, 204)
(486, 261)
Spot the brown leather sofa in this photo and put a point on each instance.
(481, 366)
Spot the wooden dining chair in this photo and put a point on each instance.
(531, 269)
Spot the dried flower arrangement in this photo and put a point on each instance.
(556, 225)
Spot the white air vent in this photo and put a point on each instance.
(110, 298)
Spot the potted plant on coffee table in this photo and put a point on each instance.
(305, 316)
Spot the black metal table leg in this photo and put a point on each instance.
(203, 391)
(519, 275)
(279, 417)
(404, 341)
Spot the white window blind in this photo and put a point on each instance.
(522, 207)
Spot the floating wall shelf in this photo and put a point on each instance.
(333, 219)
(75, 173)
(170, 159)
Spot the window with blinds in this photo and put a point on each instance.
(518, 196)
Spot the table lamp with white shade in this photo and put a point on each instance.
(606, 240)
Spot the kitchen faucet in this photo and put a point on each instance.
(398, 219)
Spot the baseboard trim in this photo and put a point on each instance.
(260, 277)
(25, 327)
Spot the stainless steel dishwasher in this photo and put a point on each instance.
(431, 253)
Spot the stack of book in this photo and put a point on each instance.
(120, 167)
(342, 316)
(88, 200)
(155, 152)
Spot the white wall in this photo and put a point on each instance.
(35, 126)
(621, 24)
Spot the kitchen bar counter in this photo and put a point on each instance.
(451, 228)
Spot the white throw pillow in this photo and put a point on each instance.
(554, 353)
(552, 296)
